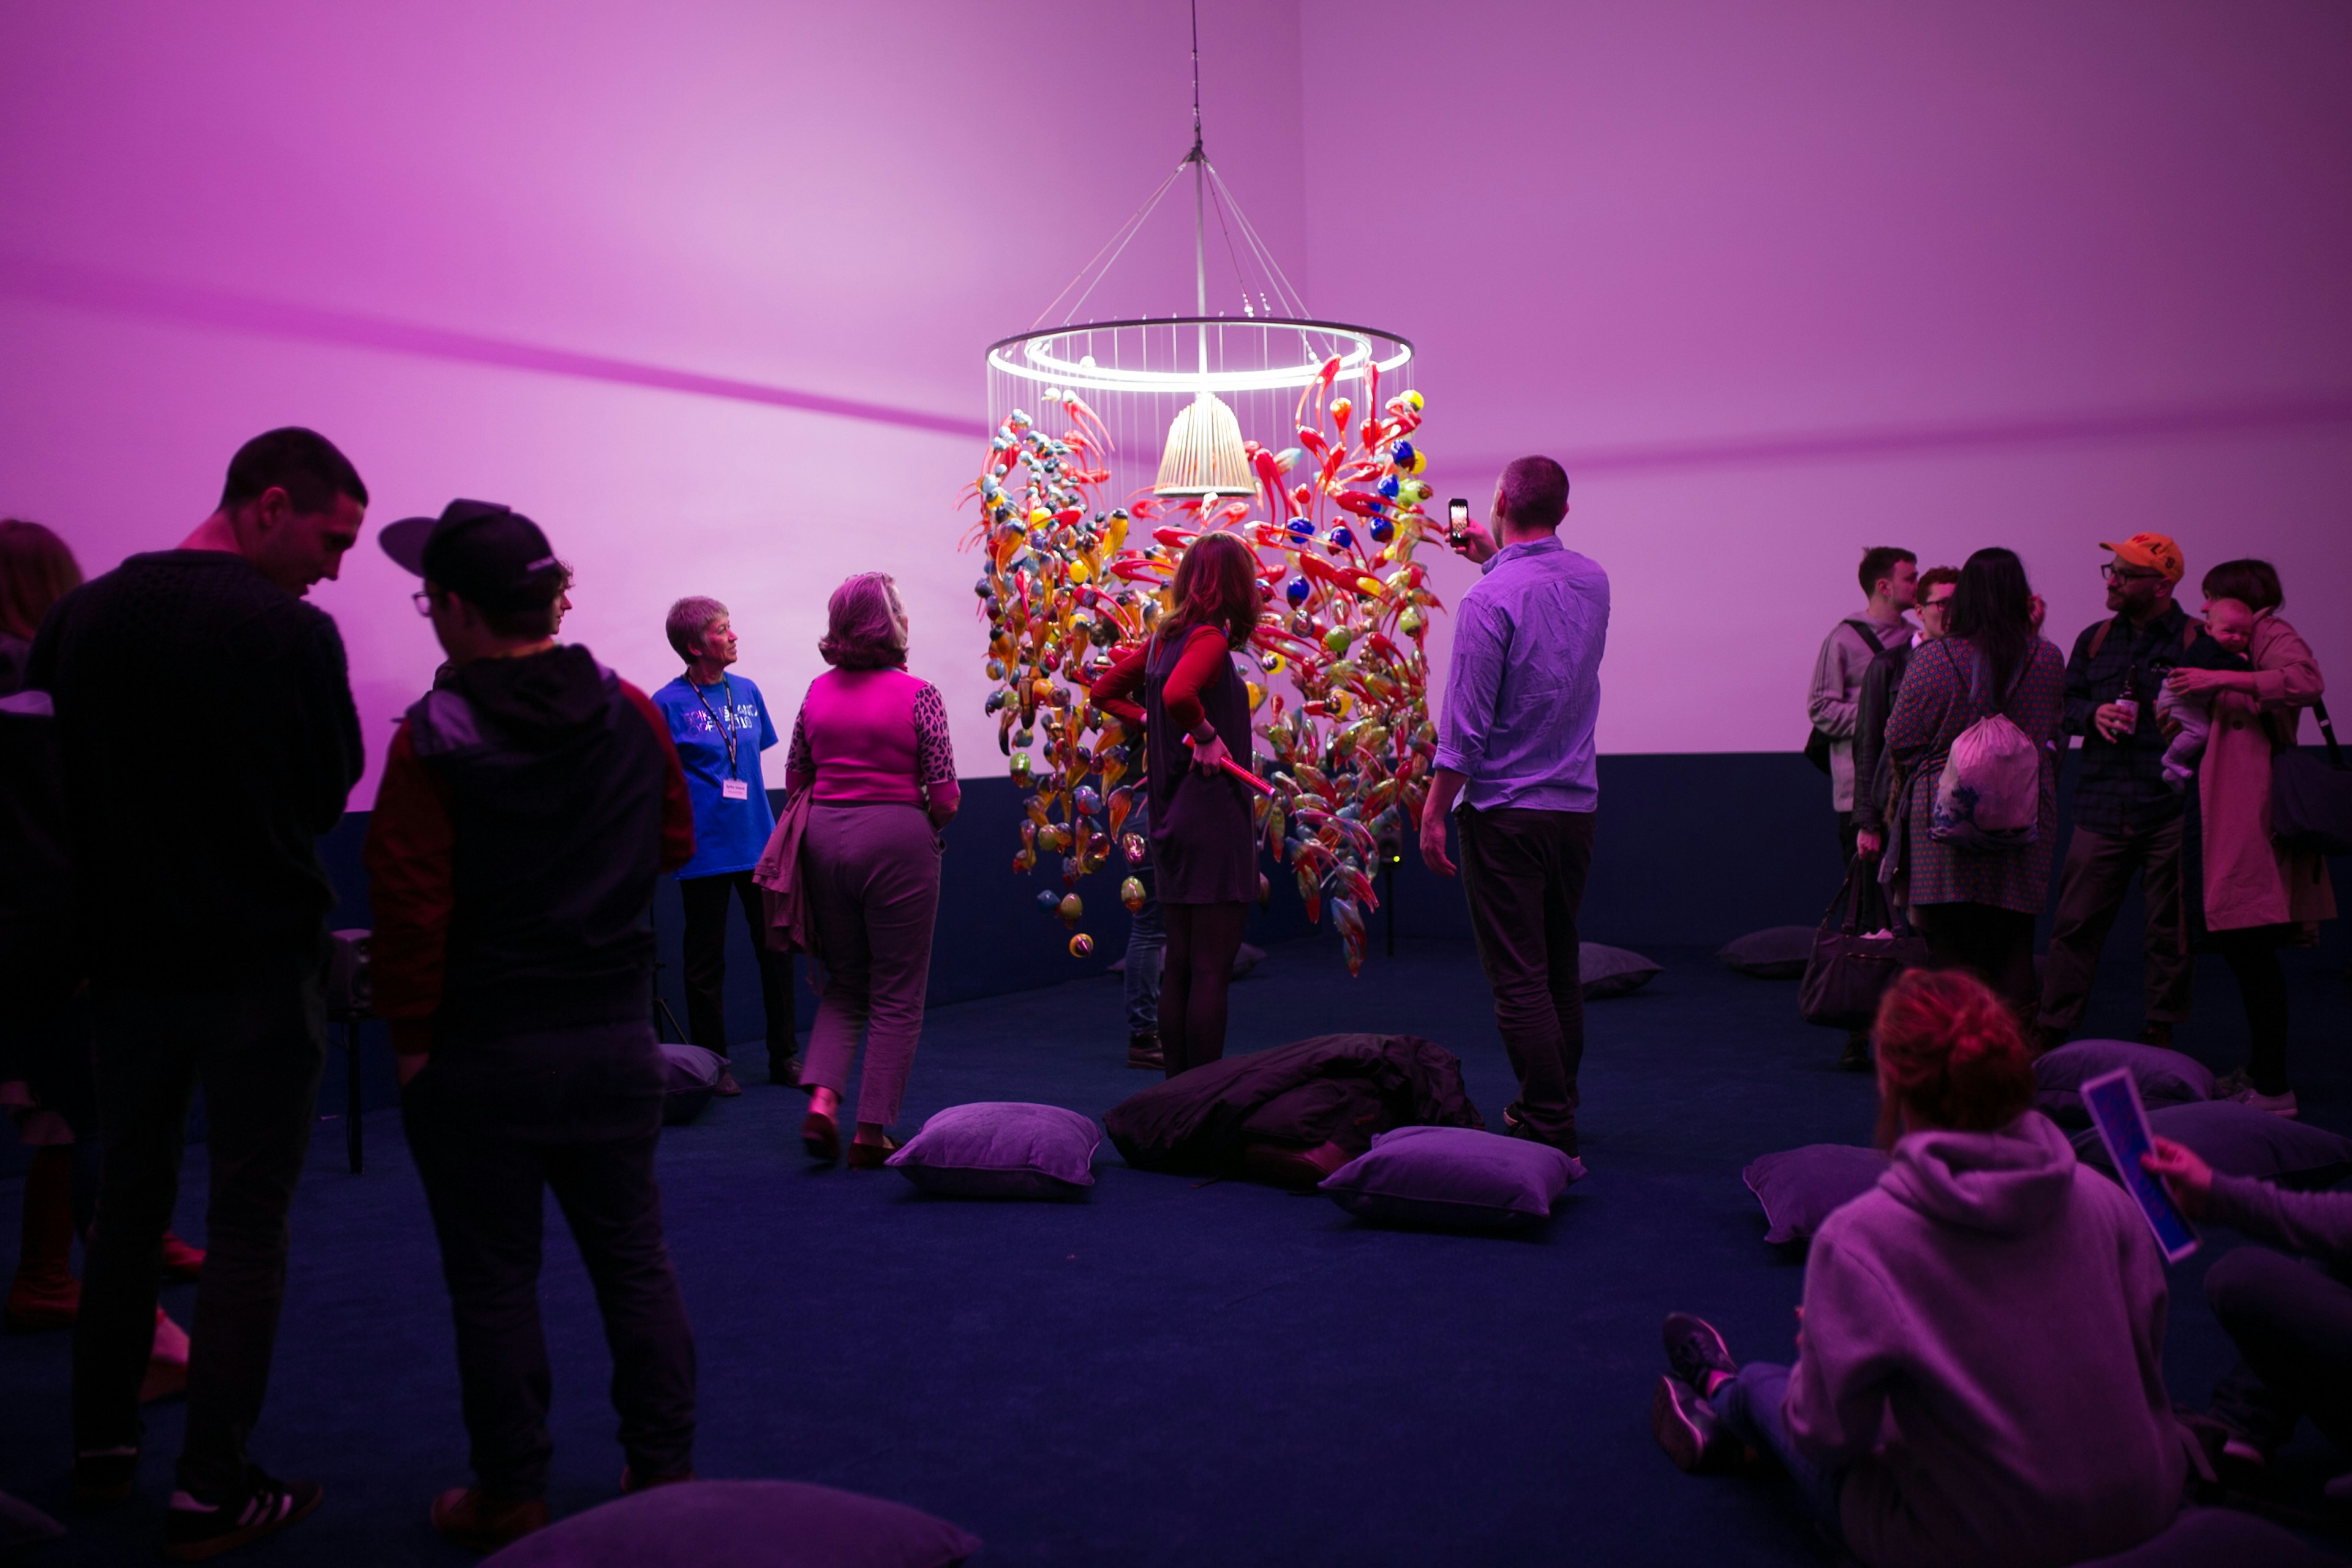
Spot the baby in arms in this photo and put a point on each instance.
(2229, 627)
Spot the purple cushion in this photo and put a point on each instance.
(689, 1075)
(2239, 1141)
(2164, 1077)
(744, 1524)
(1604, 971)
(1453, 1178)
(2203, 1537)
(1800, 1187)
(1001, 1149)
(1776, 953)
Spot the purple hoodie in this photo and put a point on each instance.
(1984, 1341)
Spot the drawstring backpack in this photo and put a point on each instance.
(1990, 794)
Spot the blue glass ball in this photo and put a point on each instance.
(1295, 591)
(1341, 537)
(1388, 487)
(1382, 530)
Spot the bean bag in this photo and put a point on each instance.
(689, 1074)
(1611, 971)
(22, 1525)
(1001, 1149)
(744, 1524)
(2215, 1537)
(2164, 1077)
(1453, 1178)
(2239, 1141)
(1800, 1188)
(1776, 953)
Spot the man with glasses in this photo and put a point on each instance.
(2126, 818)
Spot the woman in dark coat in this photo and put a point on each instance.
(1976, 906)
(1195, 717)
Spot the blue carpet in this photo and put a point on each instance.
(1167, 1374)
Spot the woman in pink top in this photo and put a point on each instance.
(871, 747)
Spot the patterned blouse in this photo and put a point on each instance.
(1930, 710)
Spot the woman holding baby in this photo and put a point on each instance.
(2247, 896)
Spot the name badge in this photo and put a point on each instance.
(735, 789)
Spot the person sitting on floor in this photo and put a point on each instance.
(2293, 1325)
(1980, 1370)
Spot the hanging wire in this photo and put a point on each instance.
(1121, 237)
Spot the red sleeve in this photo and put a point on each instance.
(411, 843)
(1203, 659)
(678, 807)
(1115, 689)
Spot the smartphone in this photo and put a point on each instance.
(2112, 1100)
(1457, 516)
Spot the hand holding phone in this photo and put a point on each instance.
(1457, 513)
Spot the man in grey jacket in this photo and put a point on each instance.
(1890, 580)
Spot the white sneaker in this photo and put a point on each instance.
(2276, 1104)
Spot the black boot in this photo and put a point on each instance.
(1143, 1051)
(1856, 1054)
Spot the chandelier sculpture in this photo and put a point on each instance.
(1116, 444)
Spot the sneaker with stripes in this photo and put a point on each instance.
(196, 1528)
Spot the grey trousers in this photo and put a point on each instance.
(873, 878)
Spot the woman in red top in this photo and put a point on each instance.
(1194, 717)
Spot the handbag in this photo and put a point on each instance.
(786, 921)
(1848, 970)
(2311, 801)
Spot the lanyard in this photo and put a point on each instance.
(725, 733)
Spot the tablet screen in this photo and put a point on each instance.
(2113, 1101)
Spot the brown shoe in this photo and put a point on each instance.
(726, 1088)
(821, 1136)
(466, 1516)
(1143, 1051)
(871, 1156)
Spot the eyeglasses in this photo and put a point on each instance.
(423, 600)
(2115, 573)
(1943, 603)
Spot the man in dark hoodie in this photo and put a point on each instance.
(527, 806)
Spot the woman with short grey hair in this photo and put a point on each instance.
(871, 747)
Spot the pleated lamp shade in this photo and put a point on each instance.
(1204, 454)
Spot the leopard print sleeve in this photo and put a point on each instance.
(934, 753)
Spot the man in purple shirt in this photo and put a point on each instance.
(1517, 748)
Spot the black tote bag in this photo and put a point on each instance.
(1849, 971)
(2311, 801)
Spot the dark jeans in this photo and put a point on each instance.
(494, 1125)
(1147, 939)
(2293, 1326)
(706, 965)
(2090, 891)
(1750, 1405)
(259, 1056)
(2253, 961)
(1994, 945)
(1523, 872)
(1847, 833)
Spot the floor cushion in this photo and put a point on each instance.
(2206, 1537)
(744, 1524)
(1776, 953)
(689, 1074)
(1001, 1149)
(2164, 1077)
(22, 1525)
(1800, 1187)
(2239, 1141)
(1453, 1178)
(1611, 971)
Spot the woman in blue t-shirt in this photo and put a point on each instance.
(721, 725)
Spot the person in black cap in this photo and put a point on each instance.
(201, 924)
(528, 808)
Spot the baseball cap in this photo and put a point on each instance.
(2152, 553)
(485, 553)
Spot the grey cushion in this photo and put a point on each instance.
(744, 1524)
(1001, 1149)
(1453, 1178)
(2210, 1537)
(1800, 1187)
(689, 1073)
(1611, 971)
(1776, 953)
(2239, 1141)
(2164, 1077)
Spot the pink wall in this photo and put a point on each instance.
(1779, 282)
(1776, 281)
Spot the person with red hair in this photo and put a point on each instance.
(1980, 1370)
(1193, 718)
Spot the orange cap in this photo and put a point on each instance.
(2152, 553)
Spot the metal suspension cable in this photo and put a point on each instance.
(1121, 237)
(1284, 289)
